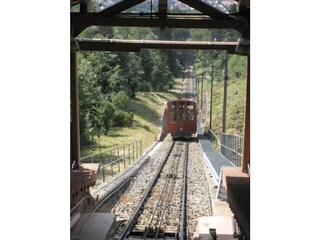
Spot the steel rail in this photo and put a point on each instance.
(164, 192)
(169, 195)
(109, 196)
(182, 232)
(99, 205)
(137, 210)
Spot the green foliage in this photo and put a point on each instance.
(108, 79)
(123, 119)
(120, 100)
(237, 67)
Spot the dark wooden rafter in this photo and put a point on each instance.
(81, 21)
(113, 16)
(121, 6)
(202, 7)
(74, 2)
(85, 6)
(163, 6)
(137, 45)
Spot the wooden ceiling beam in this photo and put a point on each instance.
(137, 45)
(202, 7)
(121, 6)
(81, 21)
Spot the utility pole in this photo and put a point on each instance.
(201, 89)
(225, 93)
(211, 90)
(197, 82)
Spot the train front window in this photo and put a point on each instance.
(172, 116)
(189, 106)
(181, 105)
(190, 116)
(174, 105)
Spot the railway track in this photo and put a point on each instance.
(158, 214)
(164, 199)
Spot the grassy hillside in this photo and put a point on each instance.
(148, 109)
(236, 97)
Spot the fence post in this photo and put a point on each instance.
(133, 154)
(111, 169)
(124, 155)
(129, 153)
(137, 149)
(140, 147)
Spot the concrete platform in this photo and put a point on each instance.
(215, 160)
(222, 224)
(231, 172)
(96, 227)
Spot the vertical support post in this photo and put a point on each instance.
(137, 147)
(129, 153)
(201, 89)
(103, 176)
(140, 148)
(74, 97)
(225, 94)
(197, 83)
(224, 114)
(111, 169)
(246, 143)
(124, 156)
(211, 99)
(133, 154)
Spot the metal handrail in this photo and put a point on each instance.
(231, 143)
(110, 150)
(113, 162)
(232, 150)
(215, 137)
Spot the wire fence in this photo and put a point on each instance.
(214, 139)
(114, 160)
(231, 148)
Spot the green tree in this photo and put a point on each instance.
(120, 100)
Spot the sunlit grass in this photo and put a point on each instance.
(148, 108)
(236, 99)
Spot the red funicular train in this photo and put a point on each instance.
(181, 118)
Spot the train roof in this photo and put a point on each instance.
(181, 100)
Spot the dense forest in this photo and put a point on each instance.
(107, 80)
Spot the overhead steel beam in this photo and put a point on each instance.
(201, 7)
(80, 21)
(163, 6)
(137, 45)
(121, 6)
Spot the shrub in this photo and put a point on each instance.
(119, 100)
(122, 119)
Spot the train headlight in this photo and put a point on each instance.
(181, 128)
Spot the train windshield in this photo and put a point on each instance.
(189, 106)
(181, 105)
